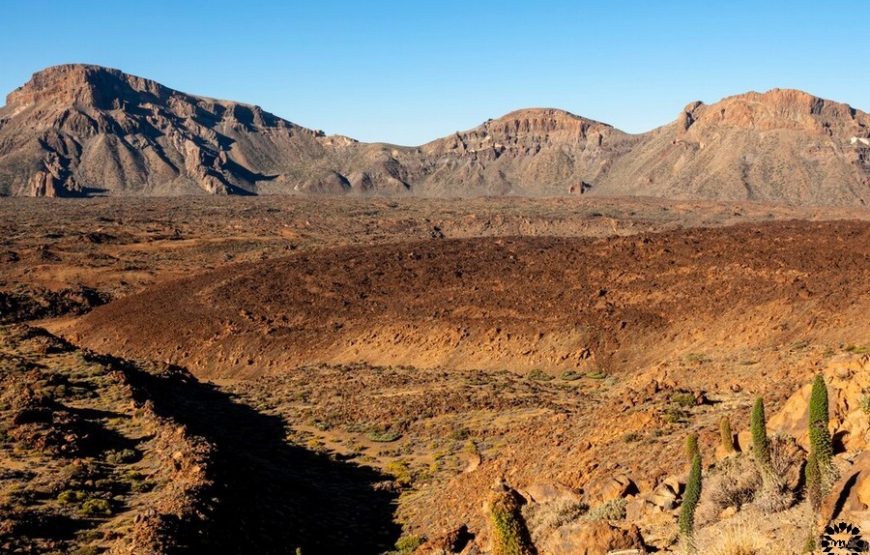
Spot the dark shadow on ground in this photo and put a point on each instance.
(273, 497)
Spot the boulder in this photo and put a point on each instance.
(593, 538)
(847, 377)
(546, 492)
(609, 488)
(849, 499)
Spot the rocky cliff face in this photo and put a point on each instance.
(80, 130)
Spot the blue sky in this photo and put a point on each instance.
(410, 71)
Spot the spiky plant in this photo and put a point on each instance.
(690, 503)
(820, 436)
(692, 447)
(509, 533)
(813, 481)
(760, 443)
(725, 434)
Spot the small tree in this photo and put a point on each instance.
(820, 436)
(725, 434)
(690, 503)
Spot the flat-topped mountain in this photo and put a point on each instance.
(84, 130)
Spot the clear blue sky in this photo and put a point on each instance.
(410, 71)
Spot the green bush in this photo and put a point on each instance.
(96, 507)
(70, 496)
(407, 545)
(383, 436)
(539, 375)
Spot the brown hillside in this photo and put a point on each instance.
(517, 303)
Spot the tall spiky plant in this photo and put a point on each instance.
(507, 527)
(813, 481)
(725, 434)
(690, 503)
(760, 443)
(820, 436)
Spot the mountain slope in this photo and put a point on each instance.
(81, 130)
(783, 145)
(78, 129)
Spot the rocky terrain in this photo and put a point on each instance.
(574, 369)
(399, 375)
(79, 130)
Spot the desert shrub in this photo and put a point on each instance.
(570, 375)
(407, 545)
(726, 436)
(96, 507)
(631, 437)
(122, 456)
(539, 375)
(558, 513)
(737, 540)
(400, 471)
(733, 484)
(507, 527)
(609, 510)
(384, 436)
(683, 399)
(865, 403)
(674, 414)
(70, 496)
(690, 501)
(596, 375)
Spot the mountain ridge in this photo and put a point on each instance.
(79, 130)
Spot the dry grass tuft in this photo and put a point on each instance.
(738, 540)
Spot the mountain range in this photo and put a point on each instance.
(81, 130)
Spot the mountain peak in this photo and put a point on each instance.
(85, 85)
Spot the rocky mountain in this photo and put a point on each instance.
(782, 145)
(84, 130)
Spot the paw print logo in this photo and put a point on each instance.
(843, 538)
